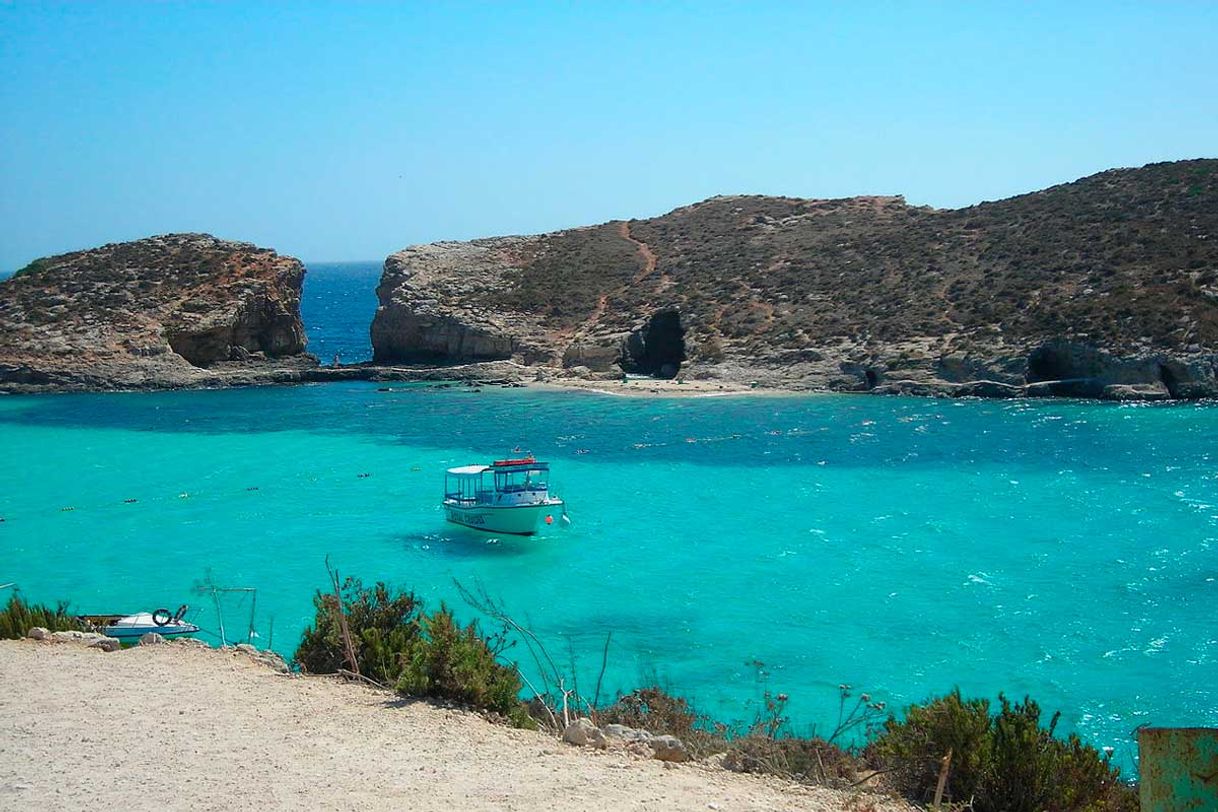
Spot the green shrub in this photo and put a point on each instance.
(916, 746)
(448, 661)
(1004, 763)
(382, 626)
(399, 645)
(1022, 769)
(1032, 770)
(18, 617)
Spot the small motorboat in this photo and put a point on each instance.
(128, 627)
(507, 496)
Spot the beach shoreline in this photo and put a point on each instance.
(505, 374)
(658, 387)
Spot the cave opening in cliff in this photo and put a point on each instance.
(202, 348)
(658, 349)
(1049, 364)
(1170, 382)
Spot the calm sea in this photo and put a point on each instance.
(1067, 550)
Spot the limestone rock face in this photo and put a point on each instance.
(1081, 370)
(1106, 287)
(595, 357)
(170, 311)
(432, 306)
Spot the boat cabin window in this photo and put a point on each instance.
(526, 479)
(466, 488)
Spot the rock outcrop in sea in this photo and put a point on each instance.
(180, 310)
(1105, 287)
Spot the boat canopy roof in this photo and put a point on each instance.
(468, 470)
(526, 464)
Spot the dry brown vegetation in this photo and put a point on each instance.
(1125, 258)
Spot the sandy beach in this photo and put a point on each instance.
(653, 387)
(183, 727)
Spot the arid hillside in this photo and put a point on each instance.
(1104, 287)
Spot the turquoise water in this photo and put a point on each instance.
(337, 306)
(901, 545)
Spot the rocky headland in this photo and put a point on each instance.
(180, 310)
(1105, 287)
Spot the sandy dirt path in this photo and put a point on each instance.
(177, 727)
(649, 257)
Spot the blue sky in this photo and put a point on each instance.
(346, 131)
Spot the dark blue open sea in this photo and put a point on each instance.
(1067, 550)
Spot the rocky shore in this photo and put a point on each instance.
(183, 726)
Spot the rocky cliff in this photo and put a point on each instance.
(1104, 287)
(170, 311)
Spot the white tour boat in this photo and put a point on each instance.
(507, 496)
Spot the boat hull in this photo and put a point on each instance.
(135, 632)
(131, 627)
(516, 520)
